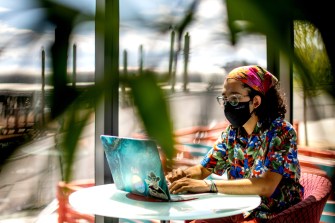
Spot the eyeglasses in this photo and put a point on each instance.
(232, 99)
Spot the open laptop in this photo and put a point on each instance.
(136, 167)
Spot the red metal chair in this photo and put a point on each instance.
(65, 212)
(317, 192)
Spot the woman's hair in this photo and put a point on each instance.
(271, 107)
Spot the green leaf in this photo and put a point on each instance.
(153, 109)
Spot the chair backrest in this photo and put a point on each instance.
(317, 190)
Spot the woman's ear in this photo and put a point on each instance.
(257, 100)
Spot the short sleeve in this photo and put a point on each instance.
(282, 156)
(216, 159)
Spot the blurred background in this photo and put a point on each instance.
(60, 60)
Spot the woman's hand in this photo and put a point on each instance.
(175, 174)
(188, 185)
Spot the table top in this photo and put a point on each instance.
(106, 200)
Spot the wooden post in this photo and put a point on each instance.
(74, 67)
(186, 59)
(140, 61)
(171, 55)
(43, 88)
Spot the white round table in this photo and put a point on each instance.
(106, 200)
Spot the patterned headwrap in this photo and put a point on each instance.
(255, 77)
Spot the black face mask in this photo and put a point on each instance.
(237, 115)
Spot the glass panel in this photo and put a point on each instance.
(30, 176)
(145, 38)
(313, 107)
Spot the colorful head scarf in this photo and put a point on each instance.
(255, 77)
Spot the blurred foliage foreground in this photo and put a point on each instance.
(264, 17)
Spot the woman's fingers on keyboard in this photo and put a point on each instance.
(175, 174)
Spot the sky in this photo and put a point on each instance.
(210, 50)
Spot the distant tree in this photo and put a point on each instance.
(309, 47)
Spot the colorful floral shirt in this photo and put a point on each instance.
(273, 150)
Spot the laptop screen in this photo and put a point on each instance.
(136, 166)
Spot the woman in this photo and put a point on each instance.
(258, 150)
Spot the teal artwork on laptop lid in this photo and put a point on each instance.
(136, 166)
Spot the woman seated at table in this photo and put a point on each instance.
(258, 149)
